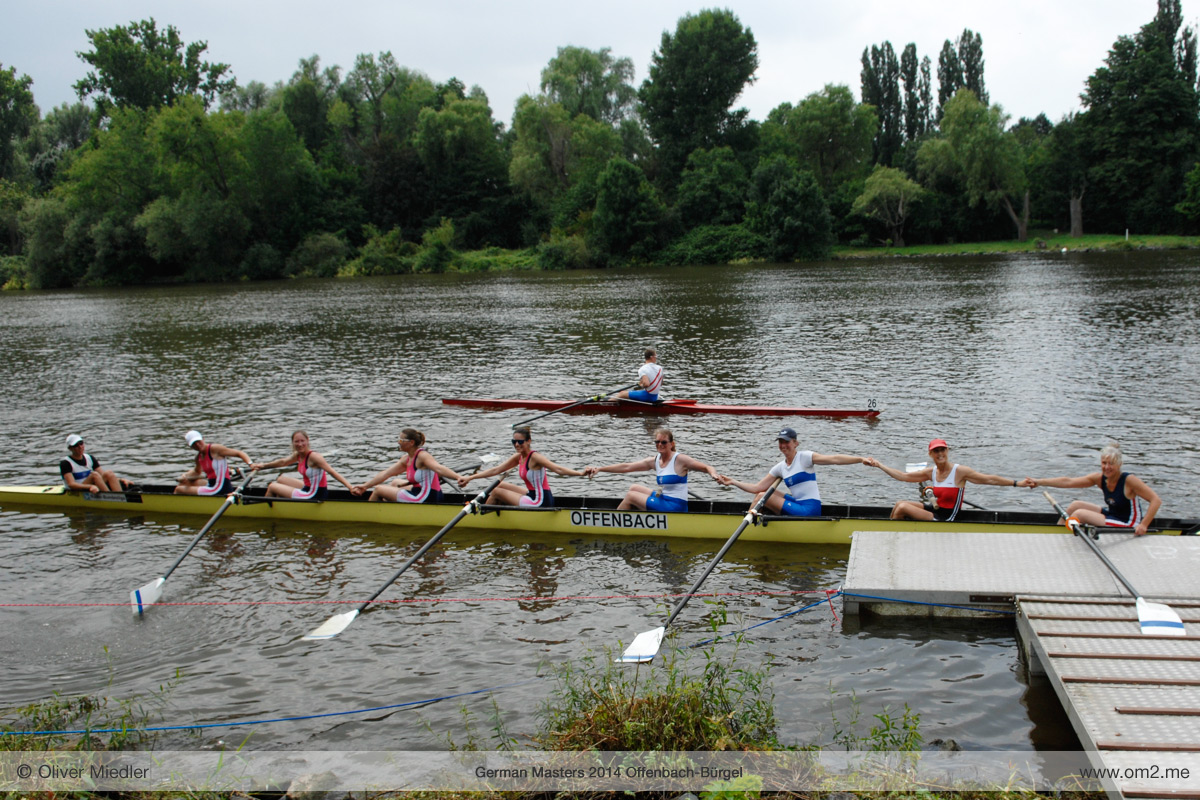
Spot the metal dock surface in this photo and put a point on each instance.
(1134, 700)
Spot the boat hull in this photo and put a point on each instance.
(573, 516)
(633, 407)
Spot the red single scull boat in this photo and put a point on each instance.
(624, 406)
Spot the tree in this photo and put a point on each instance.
(591, 82)
(970, 57)
(949, 77)
(1141, 125)
(787, 207)
(881, 88)
(833, 135)
(18, 114)
(140, 66)
(975, 147)
(888, 198)
(915, 76)
(713, 190)
(1060, 175)
(628, 212)
(695, 77)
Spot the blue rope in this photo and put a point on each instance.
(278, 719)
(829, 599)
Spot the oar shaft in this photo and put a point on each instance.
(230, 500)
(466, 509)
(593, 398)
(758, 507)
(1095, 548)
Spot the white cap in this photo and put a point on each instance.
(74, 439)
(193, 437)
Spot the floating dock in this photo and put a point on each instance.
(1133, 699)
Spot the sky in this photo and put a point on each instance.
(1038, 53)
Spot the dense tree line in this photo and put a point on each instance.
(169, 169)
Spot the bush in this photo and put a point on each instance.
(382, 254)
(716, 244)
(12, 273)
(564, 252)
(261, 262)
(437, 249)
(319, 255)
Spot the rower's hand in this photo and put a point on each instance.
(868, 461)
(1141, 529)
(463, 481)
(357, 490)
(590, 471)
(1028, 483)
(724, 480)
(94, 489)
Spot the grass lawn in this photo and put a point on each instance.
(1048, 240)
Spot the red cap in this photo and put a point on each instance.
(938, 443)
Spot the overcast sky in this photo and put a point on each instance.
(1038, 53)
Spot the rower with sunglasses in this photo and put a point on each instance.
(671, 470)
(532, 467)
(415, 476)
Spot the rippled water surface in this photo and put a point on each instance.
(1027, 365)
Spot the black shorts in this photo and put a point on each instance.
(944, 514)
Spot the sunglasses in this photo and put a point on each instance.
(661, 441)
(519, 441)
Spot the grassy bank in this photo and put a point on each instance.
(1038, 241)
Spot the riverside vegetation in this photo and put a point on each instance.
(169, 169)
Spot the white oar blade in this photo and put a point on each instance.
(332, 626)
(1159, 620)
(146, 596)
(643, 648)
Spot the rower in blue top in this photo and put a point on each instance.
(671, 470)
(649, 379)
(802, 499)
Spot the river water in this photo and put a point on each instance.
(1026, 364)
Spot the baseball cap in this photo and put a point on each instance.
(787, 433)
(938, 443)
(193, 437)
(74, 439)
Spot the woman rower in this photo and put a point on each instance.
(313, 483)
(420, 482)
(531, 466)
(210, 474)
(1122, 493)
(948, 481)
(798, 497)
(671, 470)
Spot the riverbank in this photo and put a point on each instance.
(1038, 241)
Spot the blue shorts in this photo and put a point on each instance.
(643, 396)
(658, 502)
(801, 508)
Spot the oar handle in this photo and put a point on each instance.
(750, 515)
(1077, 529)
(230, 500)
(593, 398)
(466, 509)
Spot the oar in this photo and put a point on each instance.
(339, 622)
(148, 595)
(593, 399)
(645, 645)
(1155, 618)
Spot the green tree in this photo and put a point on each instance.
(591, 82)
(18, 115)
(888, 198)
(960, 66)
(788, 208)
(139, 66)
(828, 134)
(695, 76)
(975, 147)
(914, 75)
(628, 212)
(713, 190)
(1141, 126)
(881, 89)
(55, 141)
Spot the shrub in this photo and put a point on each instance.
(716, 244)
(319, 255)
(261, 262)
(437, 249)
(382, 254)
(564, 252)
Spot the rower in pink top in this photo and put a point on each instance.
(532, 467)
